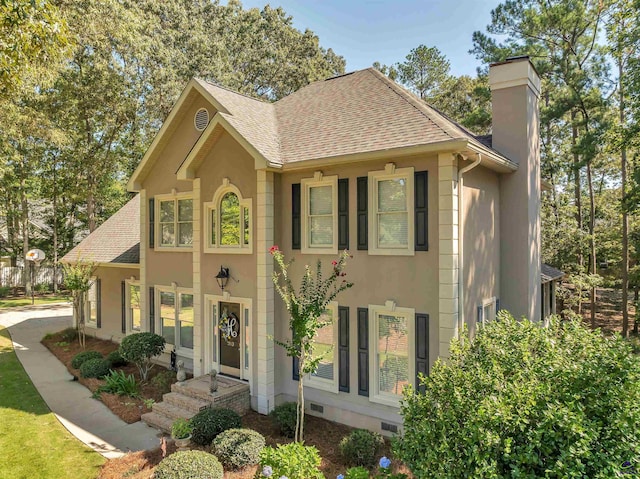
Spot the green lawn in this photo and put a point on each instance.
(13, 302)
(33, 443)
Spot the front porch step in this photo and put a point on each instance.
(188, 403)
(172, 411)
(157, 421)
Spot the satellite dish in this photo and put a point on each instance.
(35, 255)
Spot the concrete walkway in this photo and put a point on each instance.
(86, 418)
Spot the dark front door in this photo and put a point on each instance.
(230, 338)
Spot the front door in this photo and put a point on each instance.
(229, 338)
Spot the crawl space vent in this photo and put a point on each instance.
(201, 120)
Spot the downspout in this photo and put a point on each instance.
(461, 240)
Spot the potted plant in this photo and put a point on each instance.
(181, 433)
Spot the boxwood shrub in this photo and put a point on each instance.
(236, 448)
(284, 418)
(189, 465)
(95, 368)
(208, 423)
(116, 359)
(84, 356)
(526, 401)
(361, 447)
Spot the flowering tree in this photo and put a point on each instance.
(306, 309)
(77, 279)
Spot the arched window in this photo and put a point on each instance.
(228, 226)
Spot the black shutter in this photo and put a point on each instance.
(343, 348)
(343, 214)
(295, 369)
(152, 229)
(296, 225)
(497, 307)
(479, 314)
(123, 289)
(363, 351)
(421, 211)
(98, 304)
(422, 348)
(363, 215)
(152, 308)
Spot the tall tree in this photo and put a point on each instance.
(424, 71)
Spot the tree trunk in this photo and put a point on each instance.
(298, 436)
(55, 230)
(91, 209)
(24, 220)
(592, 242)
(625, 217)
(577, 187)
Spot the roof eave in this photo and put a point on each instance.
(495, 161)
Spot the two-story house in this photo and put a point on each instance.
(443, 226)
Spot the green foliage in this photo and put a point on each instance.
(526, 401)
(284, 417)
(5, 291)
(181, 429)
(116, 359)
(236, 448)
(42, 288)
(210, 422)
(84, 356)
(383, 471)
(95, 368)
(122, 385)
(189, 465)
(69, 334)
(361, 447)
(293, 460)
(140, 348)
(424, 71)
(163, 380)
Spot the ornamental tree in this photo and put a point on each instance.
(140, 349)
(77, 279)
(307, 307)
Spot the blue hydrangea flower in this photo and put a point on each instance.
(385, 462)
(267, 471)
(340, 476)
(284, 477)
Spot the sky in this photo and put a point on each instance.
(365, 31)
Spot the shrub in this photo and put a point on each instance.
(163, 380)
(284, 418)
(116, 359)
(189, 465)
(527, 401)
(5, 291)
(237, 448)
(294, 460)
(95, 368)
(361, 447)
(120, 384)
(69, 334)
(84, 356)
(42, 288)
(139, 348)
(208, 423)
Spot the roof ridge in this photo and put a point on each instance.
(209, 82)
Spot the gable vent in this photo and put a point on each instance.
(201, 120)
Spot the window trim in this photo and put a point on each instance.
(246, 204)
(127, 305)
(305, 185)
(158, 199)
(389, 309)
(491, 303)
(93, 283)
(176, 290)
(390, 172)
(326, 384)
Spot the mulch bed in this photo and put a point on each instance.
(126, 408)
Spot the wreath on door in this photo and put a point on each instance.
(229, 327)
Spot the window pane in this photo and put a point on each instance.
(324, 348)
(246, 225)
(320, 200)
(185, 233)
(185, 210)
(213, 227)
(321, 231)
(392, 195)
(186, 321)
(168, 316)
(392, 354)
(166, 211)
(168, 234)
(393, 229)
(229, 220)
(134, 304)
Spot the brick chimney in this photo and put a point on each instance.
(515, 91)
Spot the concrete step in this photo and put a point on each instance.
(172, 411)
(186, 402)
(157, 421)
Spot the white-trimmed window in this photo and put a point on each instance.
(488, 311)
(175, 319)
(320, 214)
(391, 211)
(392, 351)
(174, 218)
(132, 304)
(91, 312)
(228, 221)
(326, 345)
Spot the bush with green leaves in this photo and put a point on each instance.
(122, 385)
(181, 429)
(5, 291)
(84, 356)
(284, 417)
(163, 380)
(525, 401)
(69, 334)
(140, 349)
(236, 448)
(361, 447)
(116, 359)
(293, 460)
(189, 465)
(208, 423)
(95, 368)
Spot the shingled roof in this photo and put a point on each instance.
(116, 241)
(549, 273)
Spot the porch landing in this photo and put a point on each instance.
(187, 398)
